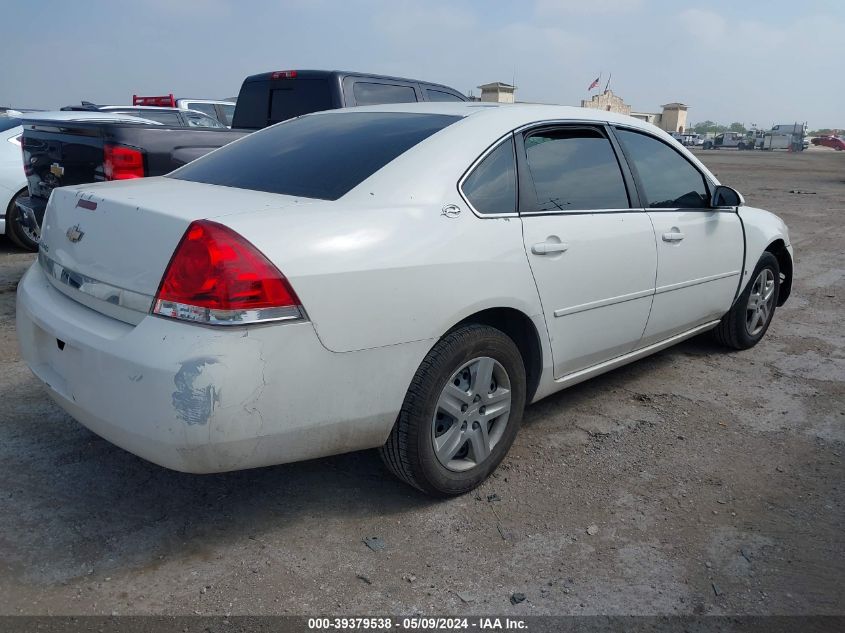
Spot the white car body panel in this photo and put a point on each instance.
(12, 177)
(601, 310)
(697, 276)
(383, 272)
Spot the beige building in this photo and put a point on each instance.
(498, 92)
(673, 117)
(607, 101)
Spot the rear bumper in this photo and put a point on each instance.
(199, 399)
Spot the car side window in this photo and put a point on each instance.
(195, 119)
(491, 186)
(574, 169)
(205, 108)
(669, 180)
(439, 95)
(165, 117)
(367, 93)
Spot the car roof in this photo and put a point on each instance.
(479, 126)
(509, 114)
(305, 74)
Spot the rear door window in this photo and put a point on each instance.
(319, 156)
(574, 169)
(491, 187)
(439, 95)
(670, 181)
(370, 93)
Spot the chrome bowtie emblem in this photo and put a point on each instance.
(451, 211)
(74, 234)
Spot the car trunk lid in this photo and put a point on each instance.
(108, 245)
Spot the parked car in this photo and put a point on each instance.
(21, 228)
(834, 142)
(264, 99)
(223, 111)
(177, 117)
(729, 139)
(693, 140)
(375, 278)
(12, 178)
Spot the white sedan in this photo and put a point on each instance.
(407, 277)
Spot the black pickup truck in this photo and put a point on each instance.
(56, 154)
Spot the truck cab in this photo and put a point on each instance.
(277, 96)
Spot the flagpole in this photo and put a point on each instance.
(608, 81)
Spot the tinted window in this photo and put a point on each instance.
(373, 94)
(228, 111)
(669, 180)
(439, 95)
(491, 187)
(7, 123)
(294, 97)
(262, 103)
(319, 156)
(575, 169)
(205, 108)
(195, 119)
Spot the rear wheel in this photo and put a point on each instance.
(17, 228)
(749, 318)
(461, 413)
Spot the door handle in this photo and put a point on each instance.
(547, 248)
(674, 236)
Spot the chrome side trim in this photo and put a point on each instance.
(207, 316)
(585, 374)
(94, 293)
(601, 303)
(694, 282)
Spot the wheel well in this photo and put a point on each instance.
(778, 249)
(522, 331)
(10, 207)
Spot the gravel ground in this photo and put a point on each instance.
(695, 481)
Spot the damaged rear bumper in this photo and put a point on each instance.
(200, 399)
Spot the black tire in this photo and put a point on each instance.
(733, 331)
(409, 451)
(14, 229)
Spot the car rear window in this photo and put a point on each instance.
(319, 156)
(263, 103)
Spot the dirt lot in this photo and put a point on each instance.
(715, 481)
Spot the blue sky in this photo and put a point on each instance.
(753, 62)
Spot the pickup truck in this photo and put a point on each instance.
(56, 155)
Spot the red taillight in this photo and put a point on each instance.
(122, 163)
(284, 74)
(215, 276)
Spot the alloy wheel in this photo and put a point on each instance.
(760, 301)
(471, 414)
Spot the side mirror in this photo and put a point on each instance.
(727, 197)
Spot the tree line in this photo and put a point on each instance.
(717, 128)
